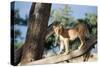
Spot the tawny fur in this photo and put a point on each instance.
(79, 31)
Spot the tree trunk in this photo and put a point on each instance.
(18, 52)
(37, 27)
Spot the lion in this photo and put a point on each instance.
(66, 34)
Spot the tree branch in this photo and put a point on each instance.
(74, 54)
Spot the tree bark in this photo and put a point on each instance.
(18, 52)
(37, 28)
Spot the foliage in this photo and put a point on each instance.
(49, 42)
(91, 18)
(19, 20)
(74, 44)
(62, 15)
(18, 45)
(16, 19)
(91, 21)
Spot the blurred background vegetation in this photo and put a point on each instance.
(17, 21)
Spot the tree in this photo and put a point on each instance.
(62, 15)
(37, 26)
(91, 20)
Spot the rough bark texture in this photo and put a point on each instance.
(74, 54)
(18, 52)
(37, 26)
(17, 55)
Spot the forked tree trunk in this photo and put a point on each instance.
(37, 27)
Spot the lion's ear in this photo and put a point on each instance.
(54, 27)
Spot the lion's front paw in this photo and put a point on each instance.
(66, 53)
(79, 48)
